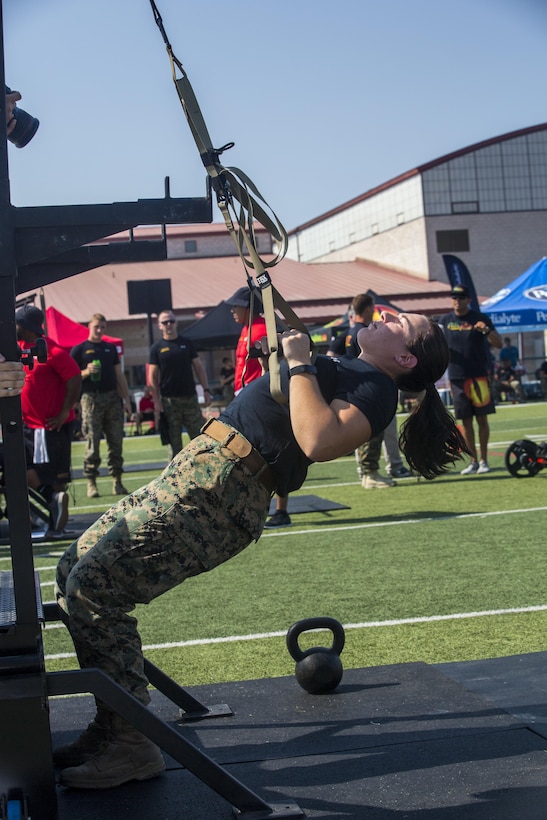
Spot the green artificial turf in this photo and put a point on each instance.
(408, 571)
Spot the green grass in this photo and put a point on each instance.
(457, 546)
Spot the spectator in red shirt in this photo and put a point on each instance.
(145, 411)
(247, 368)
(49, 394)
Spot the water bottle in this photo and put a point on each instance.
(96, 377)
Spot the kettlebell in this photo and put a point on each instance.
(319, 669)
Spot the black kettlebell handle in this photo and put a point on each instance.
(294, 632)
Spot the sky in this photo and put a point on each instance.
(323, 100)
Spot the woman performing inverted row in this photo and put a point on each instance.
(212, 501)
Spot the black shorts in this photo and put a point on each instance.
(59, 446)
(472, 397)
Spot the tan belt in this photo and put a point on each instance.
(238, 444)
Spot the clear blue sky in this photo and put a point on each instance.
(324, 100)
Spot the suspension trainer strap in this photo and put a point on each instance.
(241, 204)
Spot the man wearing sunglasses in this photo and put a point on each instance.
(174, 368)
(470, 334)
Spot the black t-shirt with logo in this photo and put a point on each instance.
(469, 349)
(174, 359)
(105, 352)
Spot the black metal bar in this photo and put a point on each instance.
(52, 612)
(171, 741)
(175, 693)
(193, 708)
(46, 231)
(88, 258)
(12, 424)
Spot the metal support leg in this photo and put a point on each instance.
(191, 709)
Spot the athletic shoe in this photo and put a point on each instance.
(471, 469)
(401, 472)
(375, 481)
(483, 467)
(280, 518)
(59, 511)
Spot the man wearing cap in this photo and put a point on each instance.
(49, 394)
(248, 368)
(470, 334)
(174, 366)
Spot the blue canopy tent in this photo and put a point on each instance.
(522, 305)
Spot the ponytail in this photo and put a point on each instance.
(430, 439)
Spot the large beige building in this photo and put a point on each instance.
(486, 204)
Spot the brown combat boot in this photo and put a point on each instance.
(90, 742)
(117, 487)
(92, 491)
(127, 755)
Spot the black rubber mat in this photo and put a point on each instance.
(308, 503)
(391, 743)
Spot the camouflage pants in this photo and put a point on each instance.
(202, 510)
(182, 411)
(368, 455)
(102, 413)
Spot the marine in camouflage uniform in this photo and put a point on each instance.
(104, 389)
(207, 506)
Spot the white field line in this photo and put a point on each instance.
(371, 525)
(366, 625)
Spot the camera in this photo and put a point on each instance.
(26, 126)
